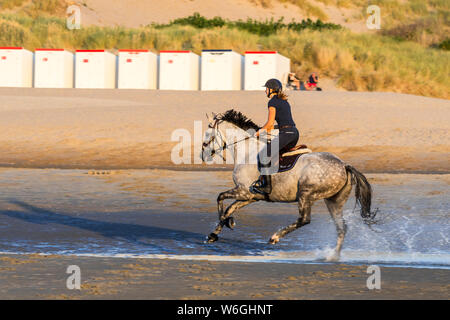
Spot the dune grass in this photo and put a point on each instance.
(34, 8)
(359, 62)
(425, 22)
(9, 4)
(305, 6)
(308, 8)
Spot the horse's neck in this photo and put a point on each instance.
(243, 151)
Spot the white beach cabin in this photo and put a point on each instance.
(95, 69)
(53, 68)
(221, 70)
(179, 70)
(138, 69)
(261, 66)
(16, 67)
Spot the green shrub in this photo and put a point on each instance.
(262, 28)
(309, 24)
(197, 21)
(445, 45)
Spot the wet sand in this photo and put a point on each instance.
(44, 277)
(148, 213)
(134, 216)
(131, 129)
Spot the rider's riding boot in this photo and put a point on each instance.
(263, 185)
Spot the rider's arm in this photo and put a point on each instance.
(270, 121)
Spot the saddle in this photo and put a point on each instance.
(288, 158)
(298, 149)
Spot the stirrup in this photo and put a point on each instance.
(256, 190)
(256, 187)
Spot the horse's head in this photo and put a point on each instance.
(222, 130)
(214, 141)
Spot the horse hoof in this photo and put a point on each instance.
(212, 238)
(229, 223)
(333, 257)
(274, 240)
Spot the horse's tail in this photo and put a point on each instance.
(363, 193)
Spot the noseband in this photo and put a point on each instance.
(215, 126)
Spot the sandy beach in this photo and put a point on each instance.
(89, 181)
(131, 129)
(86, 179)
(44, 277)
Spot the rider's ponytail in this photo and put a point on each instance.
(282, 95)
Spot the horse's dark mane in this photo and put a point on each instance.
(238, 119)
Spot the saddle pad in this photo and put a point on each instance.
(286, 163)
(287, 160)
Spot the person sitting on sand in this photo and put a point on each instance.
(293, 81)
(312, 82)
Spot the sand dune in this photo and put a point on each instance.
(105, 129)
(125, 13)
(135, 13)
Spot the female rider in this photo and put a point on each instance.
(279, 111)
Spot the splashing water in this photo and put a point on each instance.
(167, 214)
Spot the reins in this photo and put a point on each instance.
(225, 145)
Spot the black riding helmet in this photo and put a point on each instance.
(274, 85)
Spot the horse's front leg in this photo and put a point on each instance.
(229, 194)
(225, 218)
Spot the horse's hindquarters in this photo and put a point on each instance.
(321, 173)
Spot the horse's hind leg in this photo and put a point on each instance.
(335, 205)
(223, 218)
(304, 209)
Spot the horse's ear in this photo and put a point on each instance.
(208, 117)
(214, 115)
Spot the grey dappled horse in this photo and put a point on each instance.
(315, 176)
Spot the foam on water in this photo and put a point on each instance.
(399, 259)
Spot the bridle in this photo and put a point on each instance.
(218, 132)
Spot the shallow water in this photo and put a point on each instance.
(167, 214)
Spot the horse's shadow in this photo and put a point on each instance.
(129, 232)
